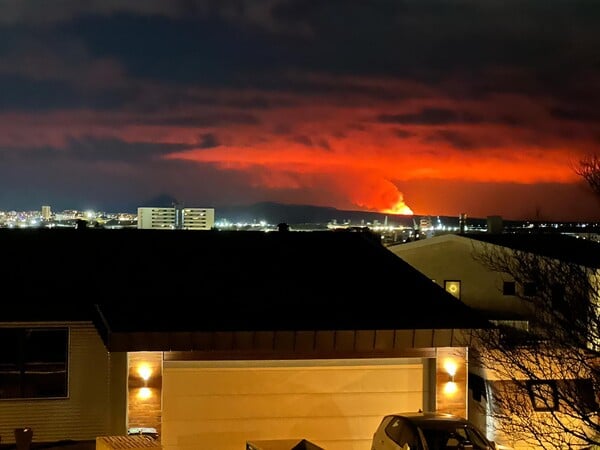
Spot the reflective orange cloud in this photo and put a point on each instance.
(371, 159)
(346, 151)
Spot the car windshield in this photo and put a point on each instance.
(450, 436)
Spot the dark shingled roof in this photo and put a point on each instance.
(554, 245)
(153, 281)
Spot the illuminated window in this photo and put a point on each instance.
(543, 395)
(508, 288)
(453, 287)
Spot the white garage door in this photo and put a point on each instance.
(334, 404)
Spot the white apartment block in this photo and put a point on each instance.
(197, 218)
(176, 218)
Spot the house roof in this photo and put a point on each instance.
(553, 245)
(560, 246)
(182, 281)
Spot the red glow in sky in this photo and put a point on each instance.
(382, 106)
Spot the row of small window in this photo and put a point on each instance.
(508, 288)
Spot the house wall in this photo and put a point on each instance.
(85, 413)
(144, 397)
(452, 257)
(118, 393)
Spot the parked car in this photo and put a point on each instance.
(428, 431)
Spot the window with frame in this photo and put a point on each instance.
(509, 288)
(543, 395)
(529, 289)
(453, 287)
(34, 362)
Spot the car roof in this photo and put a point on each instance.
(419, 418)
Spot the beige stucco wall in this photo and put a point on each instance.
(118, 393)
(452, 257)
(85, 413)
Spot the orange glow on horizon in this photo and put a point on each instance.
(346, 150)
(400, 208)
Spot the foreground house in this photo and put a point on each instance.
(218, 338)
(461, 264)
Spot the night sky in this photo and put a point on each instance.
(430, 106)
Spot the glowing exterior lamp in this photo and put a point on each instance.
(450, 367)
(144, 393)
(144, 372)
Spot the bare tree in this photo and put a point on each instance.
(589, 169)
(551, 366)
(543, 378)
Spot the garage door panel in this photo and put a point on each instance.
(302, 405)
(324, 430)
(277, 380)
(336, 407)
(218, 445)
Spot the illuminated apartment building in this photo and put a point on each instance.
(197, 218)
(175, 218)
(46, 212)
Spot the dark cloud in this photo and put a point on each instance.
(575, 114)
(200, 50)
(93, 149)
(30, 155)
(430, 116)
(456, 139)
(465, 47)
(208, 140)
(310, 142)
(19, 93)
(200, 119)
(403, 134)
(133, 67)
(109, 149)
(304, 140)
(259, 103)
(324, 143)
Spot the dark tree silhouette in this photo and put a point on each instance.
(589, 170)
(543, 374)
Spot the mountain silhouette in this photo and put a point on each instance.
(275, 213)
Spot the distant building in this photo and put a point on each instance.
(46, 212)
(495, 224)
(197, 218)
(176, 218)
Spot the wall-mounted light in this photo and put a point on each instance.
(144, 393)
(144, 371)
(450, 367)
(450, 387)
